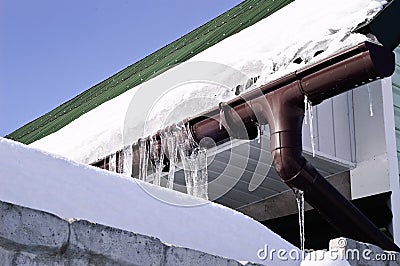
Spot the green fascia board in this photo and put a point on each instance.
(234, 20)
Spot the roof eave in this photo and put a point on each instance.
(381, 24)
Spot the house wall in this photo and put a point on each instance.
(395, 180)
(333, 130)
(371, 174)
(396, 98)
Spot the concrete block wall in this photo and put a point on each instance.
(32, 237)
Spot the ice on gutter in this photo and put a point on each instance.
(305, 31)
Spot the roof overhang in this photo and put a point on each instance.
(383, 25)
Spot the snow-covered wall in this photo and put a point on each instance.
(42, 181)
(33, 237)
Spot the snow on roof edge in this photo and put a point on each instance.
(312, 27)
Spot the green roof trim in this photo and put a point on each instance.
(234, 20)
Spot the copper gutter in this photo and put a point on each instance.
(280, 105)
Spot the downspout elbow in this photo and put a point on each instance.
(285, 118)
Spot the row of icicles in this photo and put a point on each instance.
(165, 150)
(175, 142)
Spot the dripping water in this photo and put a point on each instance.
(299, 194)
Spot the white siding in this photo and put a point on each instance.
(333, 129)
(396, 99)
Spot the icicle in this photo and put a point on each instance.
(371, 110)
(188, 133)
(127, 162)
(120, 162)
(157, 155)
(310, 120)
(305, 109)
(260, 132)
(105, 164)
(187, 165)
(171, 140)
(308, 115)
(113, 163)
(201, 186)
(185, 152)
(143, 159)
(194, 161)
(221, 114)
(299, 194)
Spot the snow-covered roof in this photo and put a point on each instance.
(68, 189)
(307, 30)
(232, 21)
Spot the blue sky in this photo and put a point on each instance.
(50, 51)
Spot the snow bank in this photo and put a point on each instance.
(306, 29)
(46, 182)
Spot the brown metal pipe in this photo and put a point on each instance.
(359, 65)
(286, 119)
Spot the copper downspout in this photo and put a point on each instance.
(280, 104)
